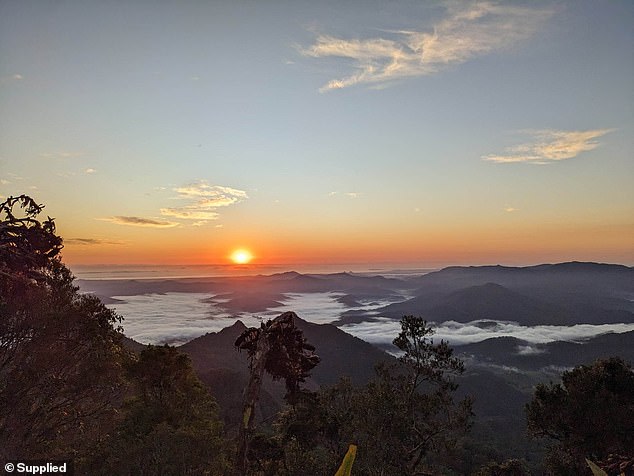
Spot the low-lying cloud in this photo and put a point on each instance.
(467, 31)
(550, 146)
(384, 330)
(179, 317)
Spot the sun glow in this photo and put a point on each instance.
(241, 256)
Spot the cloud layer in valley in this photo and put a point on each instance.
(468, 30)
(180, 317)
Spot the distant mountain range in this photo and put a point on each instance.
(559, 294)
(555, 294)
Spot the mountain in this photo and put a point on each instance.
(573, 275)
(560, 294)
(487, 301)
(225, 370)
(519, 354)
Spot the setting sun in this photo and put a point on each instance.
(241, 256)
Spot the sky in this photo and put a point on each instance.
(424, 133)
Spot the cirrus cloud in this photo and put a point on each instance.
(467, 31)
(549, 146)
(203, 201)
(90, 242)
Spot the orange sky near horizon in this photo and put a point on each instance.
(420, 133)
(516, 246)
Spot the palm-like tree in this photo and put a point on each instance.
(279, 348)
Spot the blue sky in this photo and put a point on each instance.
(397, 131)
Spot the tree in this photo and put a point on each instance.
(590, 414)
(398, 419)
(280, 349)
(410, 408)
(512, 467)
(60, 352)
(171, 424)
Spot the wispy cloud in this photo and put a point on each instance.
(223, 195)
(89, 171)
(90, 241)
(467, 31)
(345, 194)
(190, 212)
(203, 200)
(550, 146)
(510, 209)
(139, 221)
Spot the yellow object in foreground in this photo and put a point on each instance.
(346, 466)
(595, 469)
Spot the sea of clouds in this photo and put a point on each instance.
(176, 318)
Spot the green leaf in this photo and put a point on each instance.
(595, 469)
(346, 465)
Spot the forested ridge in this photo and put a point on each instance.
(72, 387)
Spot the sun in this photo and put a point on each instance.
(241, 256)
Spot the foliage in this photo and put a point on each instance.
(60, 353)
(590, 415)
(396, 420)
(289, 356)
(280, 349)
(348, 460)
(27, 246)
(170, 425)
(512, 467)
(596, 471)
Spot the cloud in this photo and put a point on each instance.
(550, 146)
(90, 241)
(529, 350)
(382, 330)
(224, 195)
(510, 209)
(467, 31)
(10, 78)
(347, 194)
(159, 318)
(189, 213)
(203, 201)
(138, 221)
(90, 171)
